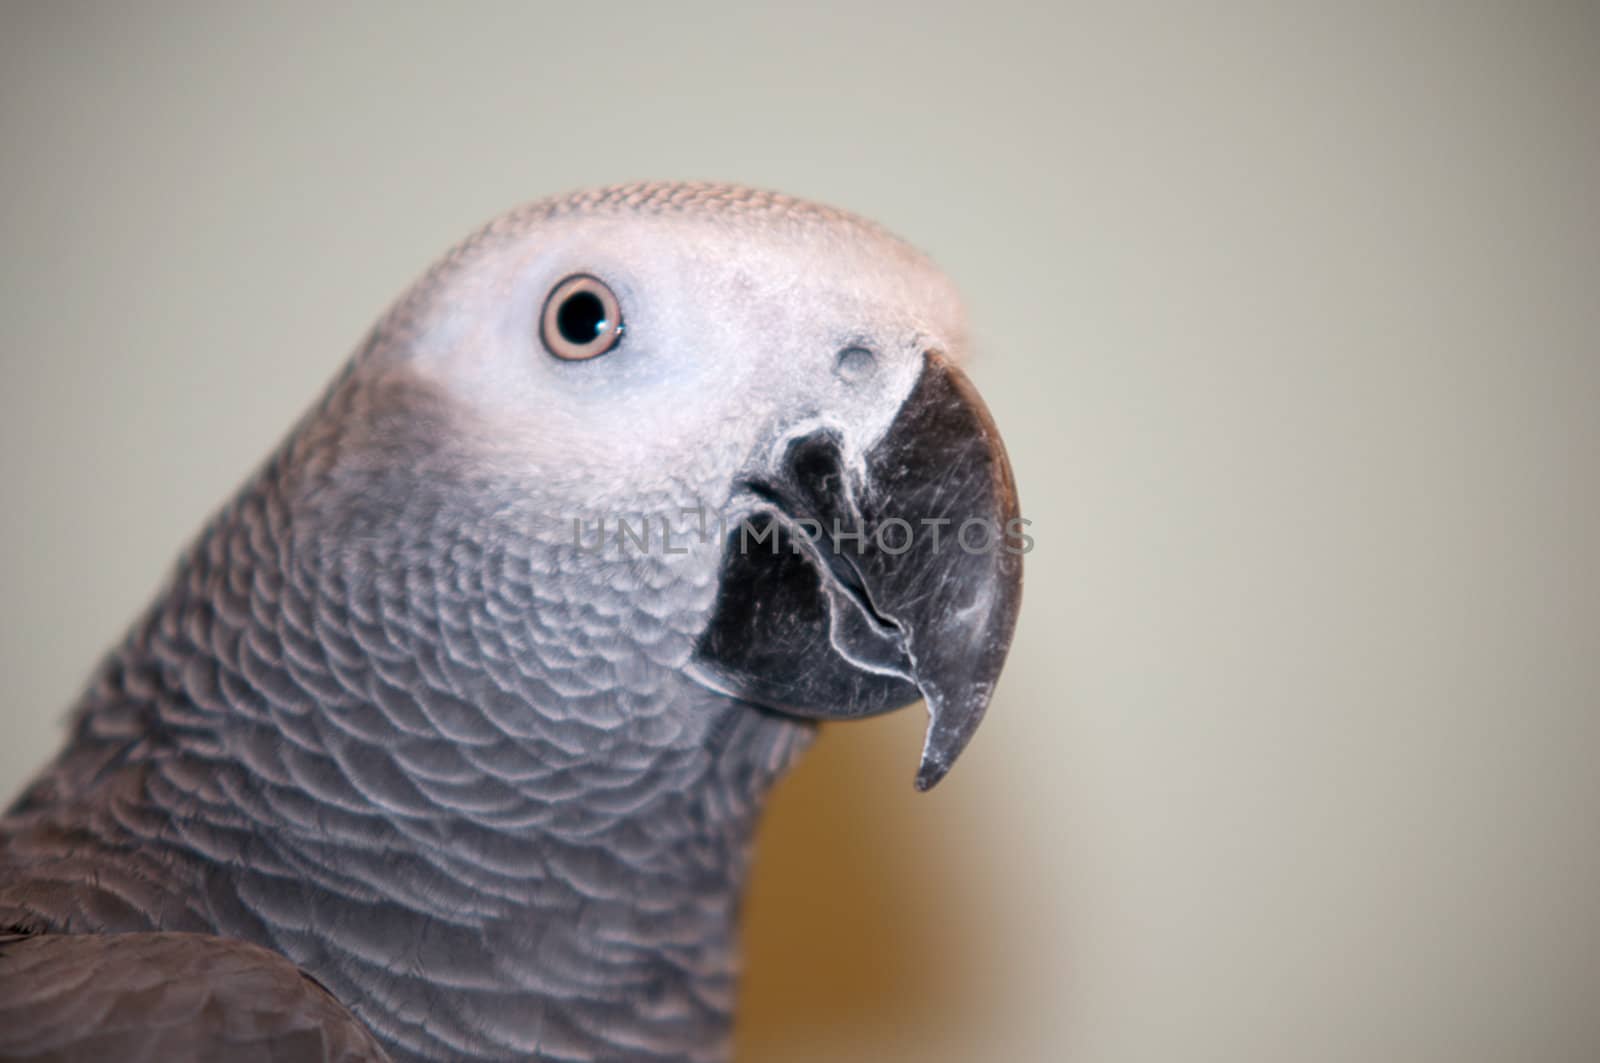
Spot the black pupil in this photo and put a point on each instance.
(582, 318)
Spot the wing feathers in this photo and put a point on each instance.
(167, 996)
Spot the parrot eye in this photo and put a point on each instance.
(581, 319)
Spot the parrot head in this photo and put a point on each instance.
(738, 405)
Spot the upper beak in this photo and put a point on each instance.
(904, 581)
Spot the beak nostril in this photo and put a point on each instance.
(855, 363)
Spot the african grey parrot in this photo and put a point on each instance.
(448, 736)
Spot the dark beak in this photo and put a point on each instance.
(866, 592)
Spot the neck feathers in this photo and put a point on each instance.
(418, 754)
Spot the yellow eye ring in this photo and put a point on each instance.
(581, 319)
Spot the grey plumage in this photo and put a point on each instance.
(392, 721)
(154, 998)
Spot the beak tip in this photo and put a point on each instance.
(929, 774)
(952, 722)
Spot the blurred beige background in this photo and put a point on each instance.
(1291, 318)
